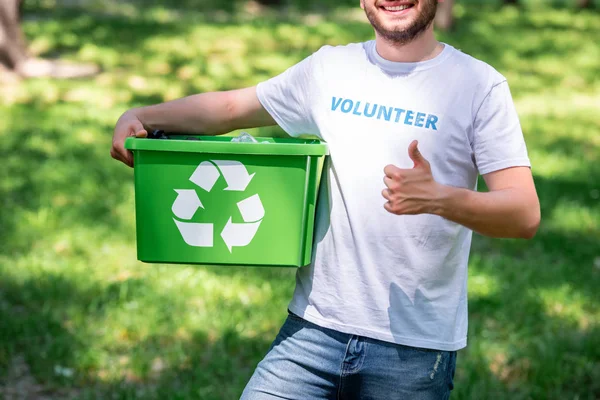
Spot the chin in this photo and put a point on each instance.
(401, 19)
(395, 25)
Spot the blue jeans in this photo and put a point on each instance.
(307, 362)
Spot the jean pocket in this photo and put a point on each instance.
(428, 364)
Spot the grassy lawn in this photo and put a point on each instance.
(81, 318)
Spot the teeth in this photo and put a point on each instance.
(397, 8)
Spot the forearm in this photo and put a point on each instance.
(206, 113)
(507, 213)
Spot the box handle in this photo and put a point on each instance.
(158, 134)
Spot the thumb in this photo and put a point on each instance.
(141, 134)
(137, 130)
(415, 154)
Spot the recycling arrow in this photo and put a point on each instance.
(206, 175)
(235, 175)
(187, 204)
(239, 235)
(251, 209)
(197, 235)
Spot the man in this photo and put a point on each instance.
(410, 122)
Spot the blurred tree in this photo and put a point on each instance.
(13, 50)
(444, 18)
(271, 2)
(15, 60)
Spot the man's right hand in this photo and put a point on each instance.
(211, 113)
(128, 125)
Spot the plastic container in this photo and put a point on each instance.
(207, 200)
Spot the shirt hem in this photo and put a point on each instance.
(386, 337)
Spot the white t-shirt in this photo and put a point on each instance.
(401, 279)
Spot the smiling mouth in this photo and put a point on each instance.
(397, 8)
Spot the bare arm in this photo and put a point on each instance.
(212, 113)
(207, 113)
(511, 208)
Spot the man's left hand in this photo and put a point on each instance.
(411, 191)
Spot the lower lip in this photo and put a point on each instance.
(406, 11)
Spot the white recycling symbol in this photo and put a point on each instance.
(187, 203)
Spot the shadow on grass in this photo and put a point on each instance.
(41, 329)
(212, 368)
(37, 311)
(518, 351)
(49, 174)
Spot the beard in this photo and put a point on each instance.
(404, 35)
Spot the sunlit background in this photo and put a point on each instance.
(81, 318)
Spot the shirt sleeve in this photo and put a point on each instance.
(498, 141)
(288, 98)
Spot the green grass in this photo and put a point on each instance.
(91, 322)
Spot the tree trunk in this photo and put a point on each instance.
(585, 3)
(271, 3)
(13, 49)
(444, 19)
(511, 1)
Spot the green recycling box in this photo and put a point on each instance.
(208, 200)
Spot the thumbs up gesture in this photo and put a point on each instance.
(411, 191)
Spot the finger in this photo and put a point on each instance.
(386, 194)
(114, 153)
(388, 207)
(121, 153)
(137, 127)
(129, 163)
(415, 154)
(389, 182)
(391, 170)
(129, 158)
(117, 156)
